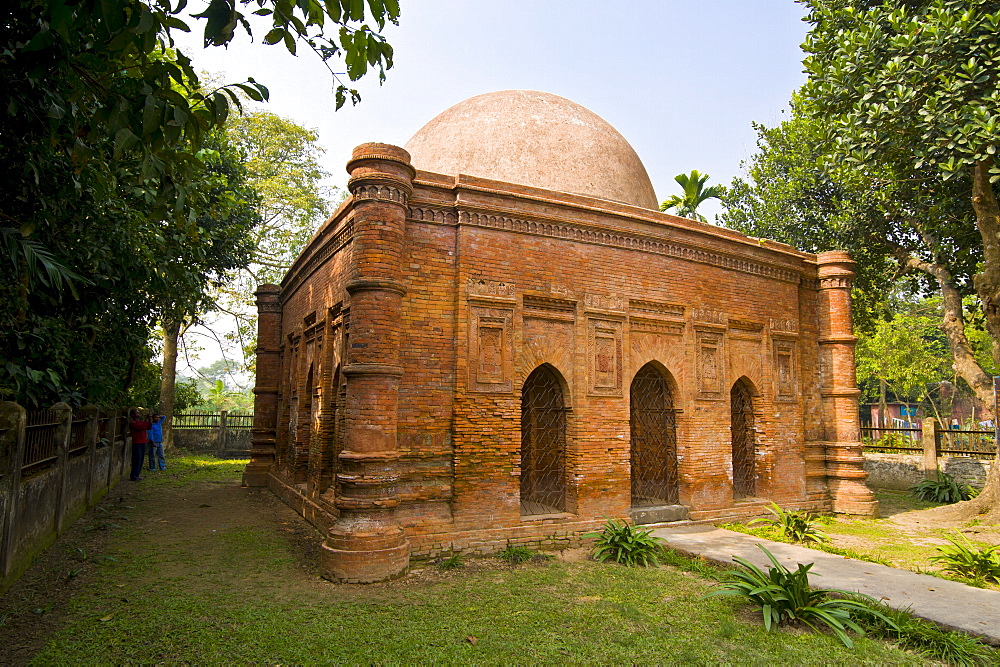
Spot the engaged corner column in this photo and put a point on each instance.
(265, 390)
(367, 544)
(844, 460)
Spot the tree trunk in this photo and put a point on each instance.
(987, 282)
(953, 326)
(168, 379)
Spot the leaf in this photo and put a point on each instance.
(472, 640)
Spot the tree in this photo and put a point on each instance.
(904, 229)
(912, 86)
(695, 192)
(283, 164)
(102, 172)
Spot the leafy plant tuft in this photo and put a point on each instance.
(965, 559)
(626, 544)
(515, 554)
(795, 526)
(452, 562)
(785, 596)
(943, 490)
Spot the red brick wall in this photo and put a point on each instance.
(500, 279)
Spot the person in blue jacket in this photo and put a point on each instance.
(156, 443)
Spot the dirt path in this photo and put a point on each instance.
(170, 516)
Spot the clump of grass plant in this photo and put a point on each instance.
(515, 554)
(963, 558)
(623, 543)
(923, 637)
(785, 596)
(944, 490)
(795, 526)
(452, 562)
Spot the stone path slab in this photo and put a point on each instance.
(950, 604)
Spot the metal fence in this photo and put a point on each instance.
(974, 443)
(225, 433)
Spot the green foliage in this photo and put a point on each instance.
(944, 490)
(908, 352)
(910, 82)
(922, 637)
(186, 395)
(452, 562)
(785, 596)
(796, 526)
(623, 543)
(695, 192)
(283, 165)
(515, 554)
(120, 201)
(967, 560)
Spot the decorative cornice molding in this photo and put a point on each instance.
(491, 288)
(606, 237)
(331, 247)
(374, 285)
(380, 193)
(835, 282)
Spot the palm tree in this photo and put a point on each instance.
(695, 193)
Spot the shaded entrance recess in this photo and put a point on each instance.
(543, 444)
(654, 440)
(744, 440)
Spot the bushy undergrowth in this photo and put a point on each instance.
(945, 489)
(796, 526)
(785, 596)
(623, 543)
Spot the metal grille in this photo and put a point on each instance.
(654, 440)
(543, 444)
(40, 450)
(744, 445)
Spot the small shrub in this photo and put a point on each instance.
(515, 554)
(943, 490)
(796, 526)
(452, 562)
(626, 544)
(967, 560)
(785, 597)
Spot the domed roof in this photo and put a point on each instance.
(535, 139)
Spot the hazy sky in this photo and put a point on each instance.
(680, 79)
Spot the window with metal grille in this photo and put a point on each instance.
(744, 440)
(543, 444)
(654, 440)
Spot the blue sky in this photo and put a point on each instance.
(682, 80)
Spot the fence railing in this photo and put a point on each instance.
(949, 442)
(226, 433)
(53, 464)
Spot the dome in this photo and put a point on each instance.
(535, 139)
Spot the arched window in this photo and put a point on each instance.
(543, 444)
(654, 440)
(744, 440)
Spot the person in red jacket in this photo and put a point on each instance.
(138, 425)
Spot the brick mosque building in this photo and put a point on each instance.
(499, 338)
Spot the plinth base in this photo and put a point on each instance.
(255, 475)
(364, 567)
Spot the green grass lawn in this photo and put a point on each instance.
(196, 569)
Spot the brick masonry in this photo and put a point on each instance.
(392, 357)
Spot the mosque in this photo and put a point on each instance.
(498, 338)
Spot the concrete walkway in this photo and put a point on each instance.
(950, 604)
